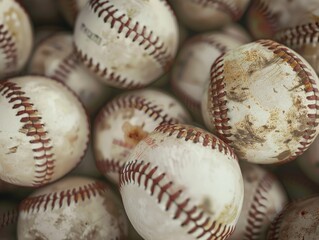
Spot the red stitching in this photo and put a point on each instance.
(274, 228)
(109, 165)
(148, 177)
(196, 136)
(117, 79)
(189, 102)
(217, 94)
(262, 8)
(9, 48)
(58, 199)
(224, 6)
(35, 129)
(9, 217)
(129, 101)
(310, 88)
(300, 34)
(66, 66)
(258, 209)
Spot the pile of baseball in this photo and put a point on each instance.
(159, 119)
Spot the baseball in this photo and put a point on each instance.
(182, 183)
(192, 66)
(72, 208)
(54, 57)
(303, 35)
(16, 38)
(129, 44)
(203, 15)
(299, 220)
(127, 119)
(44, 130)
(262, 99)
(264, 198)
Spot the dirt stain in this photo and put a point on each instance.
(133, 134)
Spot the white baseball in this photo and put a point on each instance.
(203, 15)
(129, 44)
(264, 198)
(54, 57)
(192, 66)
(262, 99)
(72, 208)
(16, 38)
(299, 220)
(127, 119)
(182, 183)
(44, 130)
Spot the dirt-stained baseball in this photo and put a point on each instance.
(182, 183)
(264, 198)
(192, 66)
(127, 119)
(299, 220)
(262, 99)
(54, 57)
(72, 208)
(16, 38)
(44, 130)
(129, 44)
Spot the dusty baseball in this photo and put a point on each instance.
(44, 130)
(129, 44)
(203, 15)
(264, 198)
(262, 99)
(299, 220)
(16, 38)
(192, 66)
(72, 208)
(127, 119)
(54, 58)
(182, 183)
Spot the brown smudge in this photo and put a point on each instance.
(206, 205)
(284, 155)
(12, 150)
(133, 134)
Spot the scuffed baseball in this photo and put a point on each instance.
(44, 130)
(72, 208)
(299, 220)
(16, 38)
(54, 57)
(192, 66)
(127, 119)
(264, 199)
(203, 15)
(182, 183)
(129, 44)
(262, 99)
